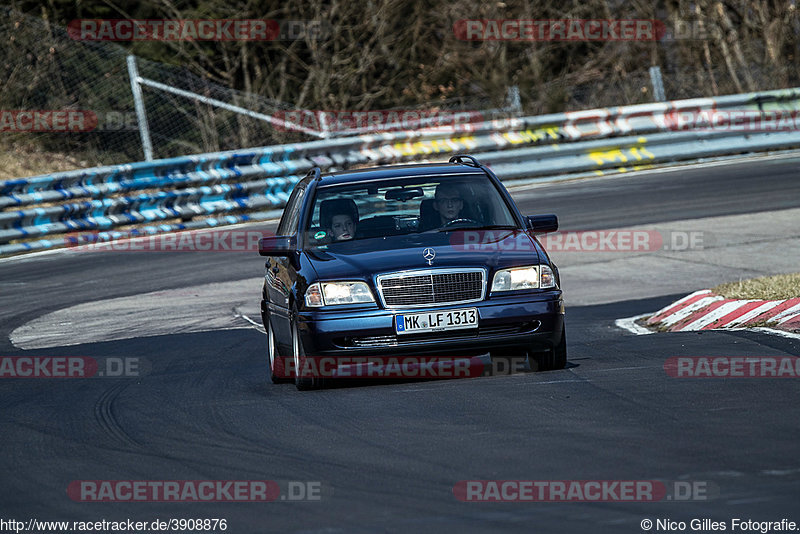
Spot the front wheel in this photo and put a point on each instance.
(302, 383)
(560, 352)
(277, 367)
(555, 358)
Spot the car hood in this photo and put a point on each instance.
(364, 258)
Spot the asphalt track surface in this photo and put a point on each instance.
(387, 455)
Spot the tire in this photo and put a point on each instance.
(299, 355)
(555, 358)
(277, 372)
(560, 351)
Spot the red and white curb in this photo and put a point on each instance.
(704, 310)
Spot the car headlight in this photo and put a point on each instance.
(531, 277)
(333, 293)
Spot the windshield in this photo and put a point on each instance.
(406, 206)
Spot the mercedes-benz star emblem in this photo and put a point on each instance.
(429, 254)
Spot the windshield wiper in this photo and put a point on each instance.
(485, 227)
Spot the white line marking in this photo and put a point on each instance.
(625, 368)
(46, 252)
(585, 380)
(773, 331)
(520, 183)
(119, 242)
(780, 472)
(422, 388)
(256, 325)
(749, 501)
(629, 324)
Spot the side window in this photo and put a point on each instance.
(291, 214)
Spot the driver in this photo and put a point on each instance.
(339, 218)
(448, 202)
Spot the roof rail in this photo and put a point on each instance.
(316, 171)
(459, 158)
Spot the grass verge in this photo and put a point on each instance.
(19, 160)
(778, 287)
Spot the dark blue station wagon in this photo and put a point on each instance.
(425, 259)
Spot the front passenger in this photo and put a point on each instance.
(339, 218)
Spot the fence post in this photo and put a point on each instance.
(513, 101)
(658, 83)
(141, 115)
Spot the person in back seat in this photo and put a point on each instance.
(339, 218)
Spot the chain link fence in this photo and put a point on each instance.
(42, 68)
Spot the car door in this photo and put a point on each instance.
(280, 274)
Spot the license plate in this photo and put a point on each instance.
(414, 323)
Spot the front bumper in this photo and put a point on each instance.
(528, 321)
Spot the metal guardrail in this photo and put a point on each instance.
(245, 185)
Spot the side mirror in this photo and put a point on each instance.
(542, 223)
(281, 246)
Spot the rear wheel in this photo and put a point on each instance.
(277, 368)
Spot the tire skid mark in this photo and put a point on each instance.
(105, 415)
(271, 452)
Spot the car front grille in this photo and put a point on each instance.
(370, 341)
(416, 289)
